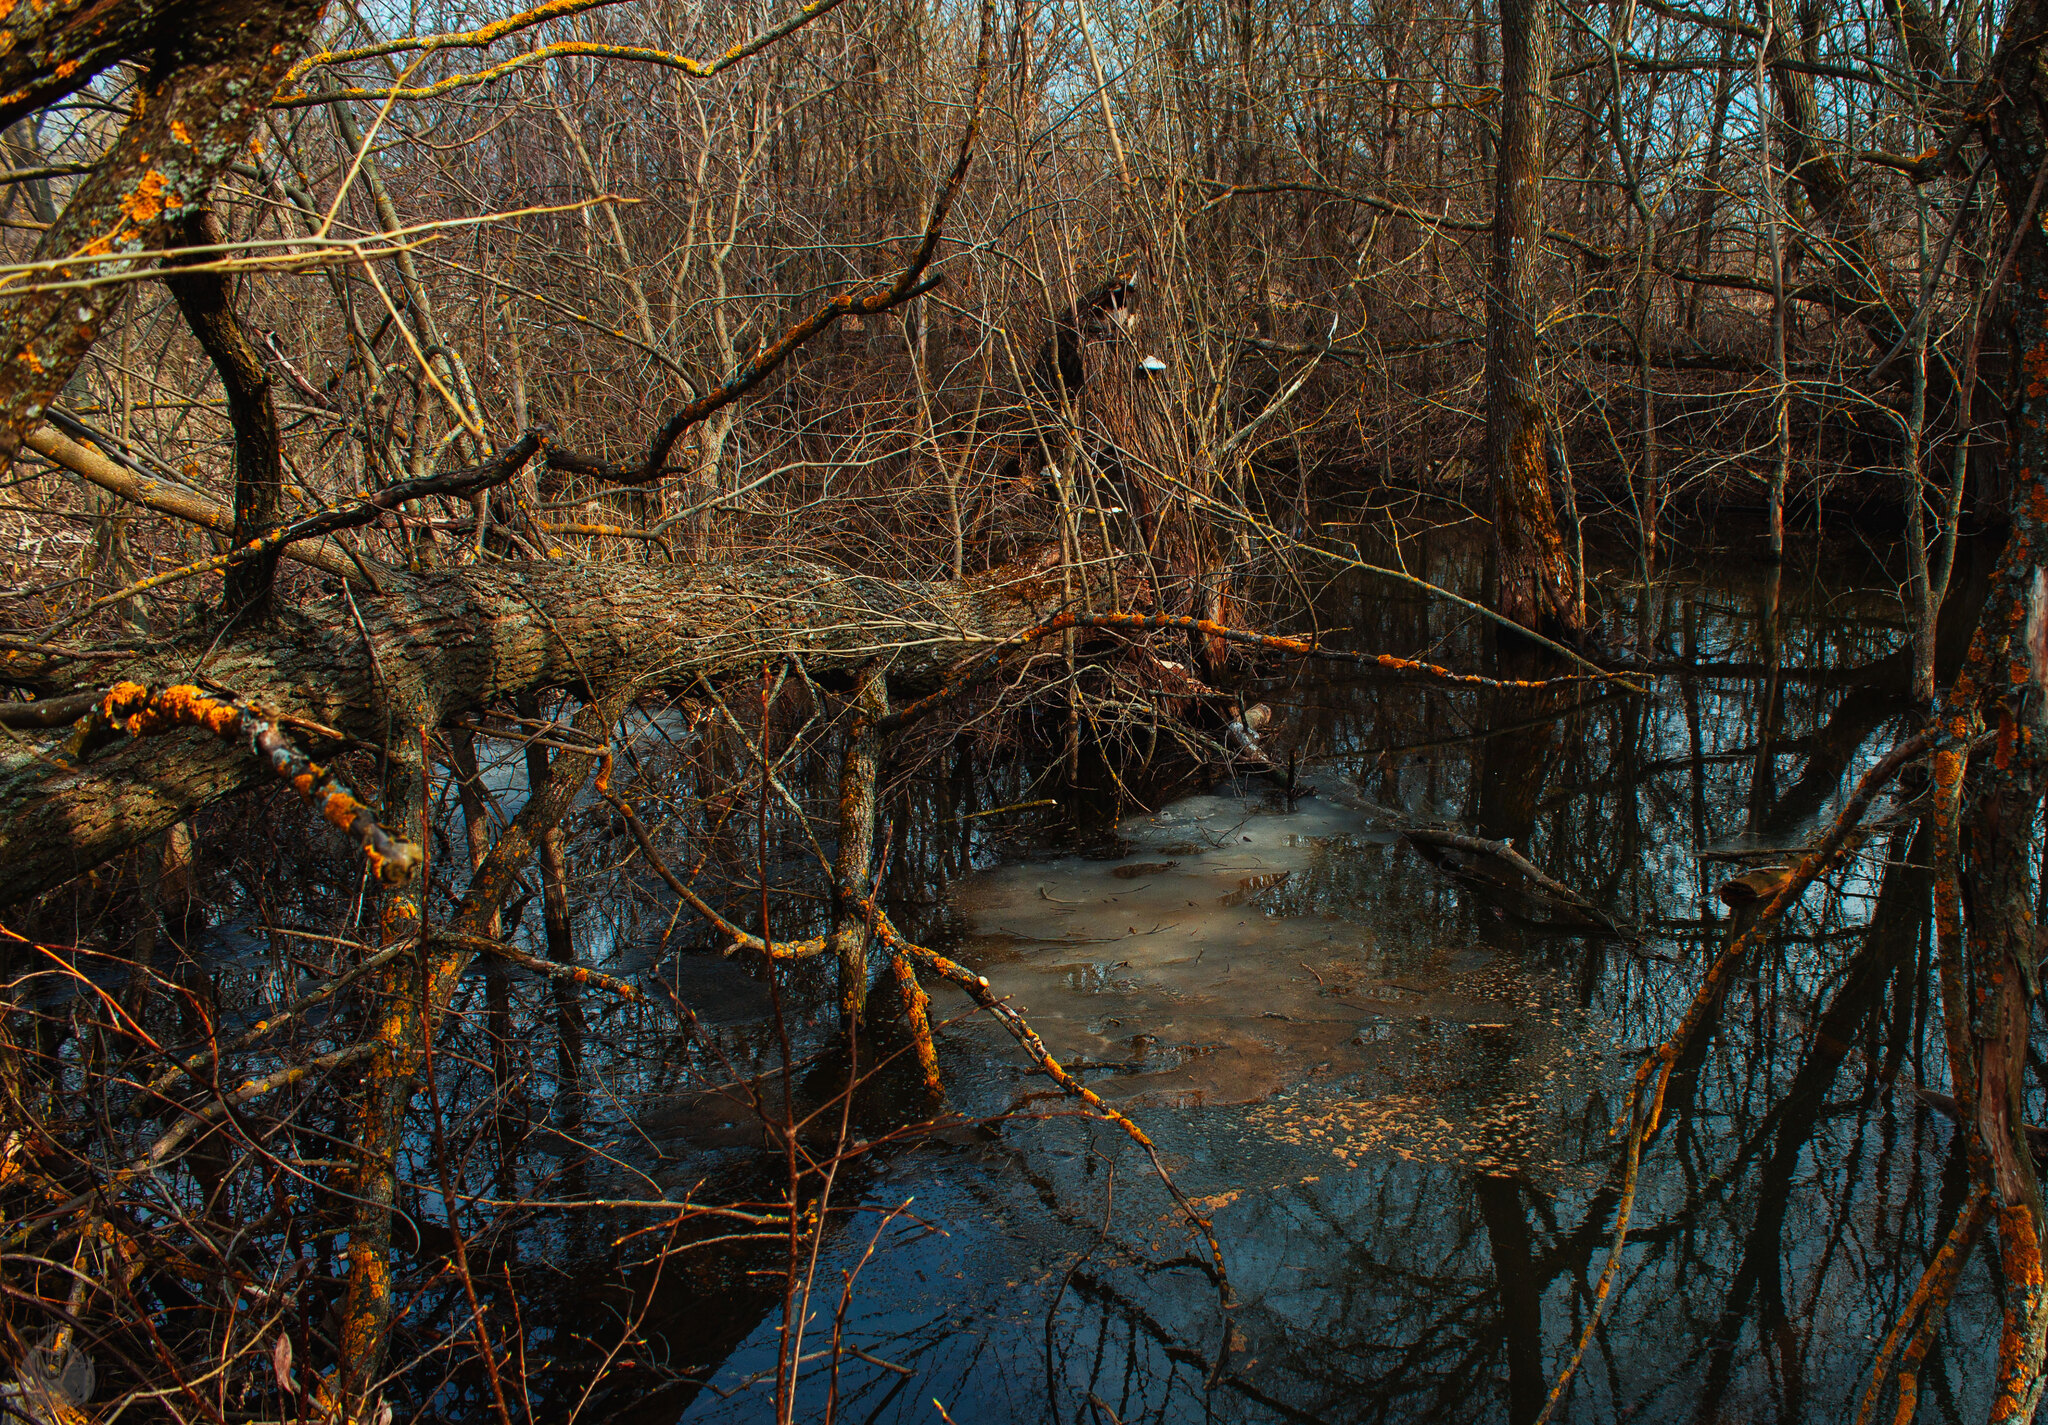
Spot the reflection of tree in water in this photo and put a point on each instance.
(1412, 1237)
(1780, 1233)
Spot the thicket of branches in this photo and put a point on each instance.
(1300, 199)
(727, 409)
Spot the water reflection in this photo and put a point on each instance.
(1391, 1087)
(1396, 1093)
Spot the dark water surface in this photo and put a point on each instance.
(1393, 1090)
(1390, 1087)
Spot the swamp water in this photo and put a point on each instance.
(1392, 1089)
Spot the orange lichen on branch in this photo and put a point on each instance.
(2035, 363)
(917, 1012)
(1830, 850)
(151, 199)
(2020, 1339)
(571, 974)
(1927, 1304)
(467, 39)
(1944, 817)
(741, 940)
(1639, 1121)
(131, 708)
(978, 990)
(599, 531)
(1603, 1292)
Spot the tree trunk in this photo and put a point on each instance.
(853, 873)
(206, 300)
(411, 998)
(213, 72)
(1988, 1034)
(560, 928)
(1533, 578)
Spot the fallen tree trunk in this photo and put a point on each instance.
(453, 642)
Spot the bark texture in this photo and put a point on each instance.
(1534, 581)
(215, 68)
(1989, 845)
(852, 874)
(207, 304)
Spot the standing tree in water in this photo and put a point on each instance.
(1534, 580)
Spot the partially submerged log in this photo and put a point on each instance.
(1496, 867)
(1753, 887)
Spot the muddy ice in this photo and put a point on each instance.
(1298, 960)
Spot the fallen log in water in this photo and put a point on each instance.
(454, 642)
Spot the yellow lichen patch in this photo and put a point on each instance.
(1948, 767)
(180, 132)
(121, 696)
(150, 200)
(219, 718)
(2018, 1365)
(367, 1265)
(68, 68)
(130, 707)
(340, 810)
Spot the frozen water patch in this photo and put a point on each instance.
(1244, 952)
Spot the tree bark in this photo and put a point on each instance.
(206, 301)
(214, 73)
(1533, 578)
(411, 999)
(853, 872)
(560, 928)
(1988, 1034)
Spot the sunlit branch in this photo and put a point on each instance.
(132, 710)
(478, 38)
